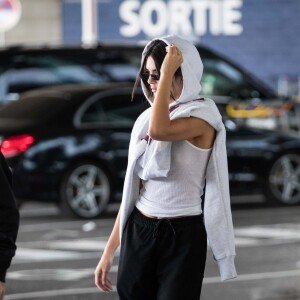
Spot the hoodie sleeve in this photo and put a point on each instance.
(9, 219)
(217, 210)
(131, 181)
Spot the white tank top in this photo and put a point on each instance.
(178, 194)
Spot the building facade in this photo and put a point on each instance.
(40, 24)
(260, 35)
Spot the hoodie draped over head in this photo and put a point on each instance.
(191, 68)
(151, 160)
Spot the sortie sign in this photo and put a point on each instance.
(10, 13)
(184, 17)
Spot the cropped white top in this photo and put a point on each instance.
(178, 194)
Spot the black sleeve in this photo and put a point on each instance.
(9, 218)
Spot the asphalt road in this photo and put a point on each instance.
(56, 256)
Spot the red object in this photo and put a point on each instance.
(15, 145)
(5, 4)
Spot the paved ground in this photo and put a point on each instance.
(56, 256)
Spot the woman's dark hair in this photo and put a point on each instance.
(157, 50)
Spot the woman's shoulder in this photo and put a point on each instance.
(206, 101)
(202, 104)
(206, 109)
(210, 104)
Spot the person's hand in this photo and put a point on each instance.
(102, 280)
(2, 290)
(172, 60)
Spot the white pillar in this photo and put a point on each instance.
(89, 35)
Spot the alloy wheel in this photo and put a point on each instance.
(87, 190)
(284, 179)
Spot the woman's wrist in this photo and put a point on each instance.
(164, 86)
(165, 75)
(110, 249)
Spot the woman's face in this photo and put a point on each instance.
(150, 69)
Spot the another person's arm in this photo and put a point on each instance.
(102, 279)
(9, 222)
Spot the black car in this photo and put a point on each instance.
(25, 68)
(69, 145)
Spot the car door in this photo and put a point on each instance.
(110, 116)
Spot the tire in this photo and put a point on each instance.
(85, 190)
(283, 183)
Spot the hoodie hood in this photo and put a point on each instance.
(191, 68)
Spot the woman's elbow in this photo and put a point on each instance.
(156, 134)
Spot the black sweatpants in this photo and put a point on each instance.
(162, 259)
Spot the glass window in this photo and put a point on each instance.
(121, 72)
(117, 109)
(29, 71)
(93, 113)
(35, 71)
(221, 79)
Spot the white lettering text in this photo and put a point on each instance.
(183, 17)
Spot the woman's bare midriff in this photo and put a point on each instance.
(158, 218)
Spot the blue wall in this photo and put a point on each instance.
(268, 46)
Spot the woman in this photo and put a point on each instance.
(177, 148)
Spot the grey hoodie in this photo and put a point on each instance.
(191, 68)
(154, 159)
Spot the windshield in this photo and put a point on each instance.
(32, 71)
(222, 79)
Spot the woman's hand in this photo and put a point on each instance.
(102, 280)
(172, 61)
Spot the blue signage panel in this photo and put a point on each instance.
(262, 35)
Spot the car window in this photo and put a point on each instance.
(114, 108)
(221, 79)
(121, 72)
(120, 108)
(31, 71)
(93, 114)
(34, 71)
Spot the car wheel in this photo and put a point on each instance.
(85, 190)
(284, 179)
